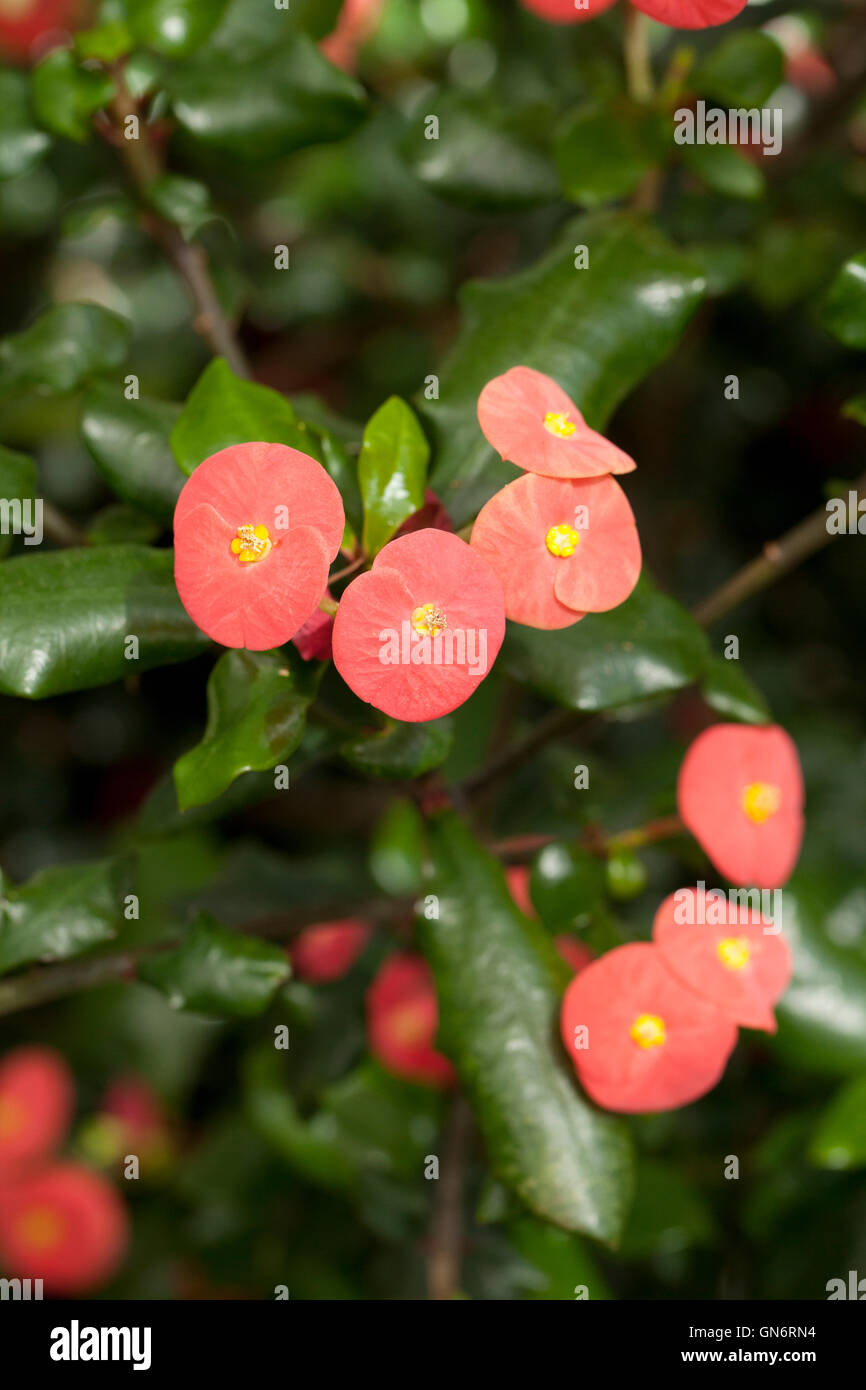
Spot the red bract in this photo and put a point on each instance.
(402, 1018)
(567, 11)
(325, 952)
(561, 548)
(138, 1113)
(36, 1101)
(740, 793)
(255, 530)
(678, 14)
(575, 953)
(24, 22)
(417, 633)
(742, 965)
(64, 1225)
(530, 421)
(649, 1043)
(313, 639)
(517, 878)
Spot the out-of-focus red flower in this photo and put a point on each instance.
(432, 514)
(517, 878)
(575, 953)
(742, 965)
(137, 1114)
(36, 1102)
(678, 14)
(640, 1040)
(314, 639)
(26, 25)
(567, 11)
(402, 1018)
(62, 1224)
(740, 793)
(357, 21)
(530, 421)
(328, 950)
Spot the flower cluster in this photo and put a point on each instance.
(650, 1025)
(59, 1221)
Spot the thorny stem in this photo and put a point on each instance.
(144, 164)
(446, 1228)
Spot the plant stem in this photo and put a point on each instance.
(59, 528)
(144, 164)
(446, 1228)
(636, 52)
(593, 839)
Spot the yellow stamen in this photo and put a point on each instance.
(40, 1227)
(562, 540)
(734, 952)
(251, 543)
(760, 801)
(558, 423)
(429, 620)
(11, 1116)
(648, 1030)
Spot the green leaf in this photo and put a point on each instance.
(563, 1263)
(63, 349)
(185, 202)
(17, 481)
(222, 410)
(397, 849)
(743, 70)
(118, 523)
(59, 913)
(729, 692)
(257, 706)
(496, 978)
(21, 144)
(265, 106)
(106, 43)
(66, 95)
(401, 750)
(566, 884)
(218, 972)
(596, 331)
(855, 409)
(310, 1147)
(844, 311)
(67, 616)
(648, 646)
(668, 1215)
(392, 471)
(176, 28)
(480, 158)
(603, 152)
(343, 469)
(130, 444)
(840, 1137)
(725, 169)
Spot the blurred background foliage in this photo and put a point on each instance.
(306, 1168)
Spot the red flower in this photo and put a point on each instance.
(575, 953)
(517, 878)
(313, 639)
(678, 14)
(532, 422)
(138, 1120)
(255, 530)
(736, 964)
(36, 1100)
(402, 1018)
(562, 548)
(327, 951)
(64, 1225)
(24, 22)
(638, 1038)
(417, 633)
(740, 793)
(357, 21)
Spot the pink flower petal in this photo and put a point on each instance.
(691, 14)
(511, 412)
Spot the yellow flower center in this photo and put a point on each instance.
(429, 620)
(558, 423)
(40, 1227)
(251, 543)
(760, 801)
(648, 1030)
(734, 952)
(11, 1116)
(562, 540)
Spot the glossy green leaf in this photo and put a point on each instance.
(309, 1146)
(66, 95)
(648, 646)
(59, 913)
(185, 202)
(839, 1140)
(497, 978)
(565, 1268)
(743, 70)
(222, 410)
(603, 152)
(17, 484)
(130, 444)
(257, 706)
(401, 750)
(397, 849)
(725, 170)
(22, 144)
(218, 972)
(844, 312)
(69, 617)
(597, 331)
(392, 471)
(175, 27)
(118, 523)
(265, 106)
(344, 471)
(728, 690)
(106, 43)
(566, 884)
(63, 349)
(479, 157)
